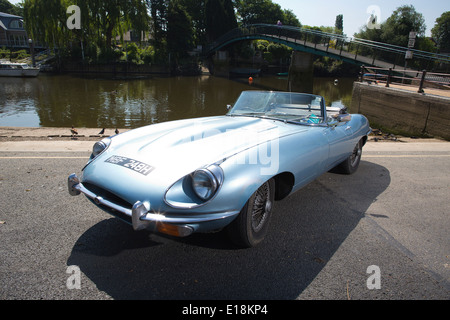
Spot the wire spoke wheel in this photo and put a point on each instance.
(356, 155)
(261, 207)
(351, 164)
(251, 225)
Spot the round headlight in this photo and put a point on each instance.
(204, 184)
(100, 146)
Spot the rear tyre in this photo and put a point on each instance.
(351, 164)
(251, 225)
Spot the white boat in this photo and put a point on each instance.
(11, 69)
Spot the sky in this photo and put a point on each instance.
(356, 12)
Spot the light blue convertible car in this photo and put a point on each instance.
(223, 172)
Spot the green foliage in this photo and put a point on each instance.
(13, 55)
(397, 27)
(264, 11)
(148, 54)
(261, 45)
(395, 30)
(279, 51)
(272, 52)
(7, 7)
(133, 53)
(220, 18)
(46, 20)
(339, 24)
(109, 55)
(441, 32)
(179, 30)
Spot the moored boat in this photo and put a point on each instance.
(11, 69)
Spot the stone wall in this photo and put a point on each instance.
(402, 111)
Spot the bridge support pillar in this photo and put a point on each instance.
(301, 72)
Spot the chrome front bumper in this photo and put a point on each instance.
(141, 216)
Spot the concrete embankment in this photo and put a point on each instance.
(51, 139)
(47, 132)
(402, 111)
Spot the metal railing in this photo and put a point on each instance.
(406, 78)
(360, 51)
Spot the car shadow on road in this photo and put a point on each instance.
(306, 230)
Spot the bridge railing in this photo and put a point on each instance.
(361, 51)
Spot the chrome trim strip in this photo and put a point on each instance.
(76, 187)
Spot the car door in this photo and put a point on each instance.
(339, 136)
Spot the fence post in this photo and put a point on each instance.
(362, 73)
(388, 81)
(424, 73)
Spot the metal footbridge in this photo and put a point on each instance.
(353, 50)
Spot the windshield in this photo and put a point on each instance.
(286, 106)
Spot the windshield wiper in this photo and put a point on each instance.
(262, 116)
(282, 120)
(250, 114)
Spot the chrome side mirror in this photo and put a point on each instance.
(229, 106)
(344, 117)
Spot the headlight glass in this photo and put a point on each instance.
(99, 147)
(204, 184)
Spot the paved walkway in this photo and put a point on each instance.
(427, 91)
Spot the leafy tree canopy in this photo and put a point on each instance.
(8, 7)
(441, 32)
(264, 11)
(395, 30)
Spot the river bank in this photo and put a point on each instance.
(12, 134)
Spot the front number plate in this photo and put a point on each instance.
(131, 164)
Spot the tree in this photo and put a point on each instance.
(45, 20)
(196, 10)
(158, 13)
(339, 24)
(259, 11)
(179, 30)
(220, 18)
(101, 20)
(7, 7)
(397, 27)
(395, 30)
(441, 32)
(290, 19)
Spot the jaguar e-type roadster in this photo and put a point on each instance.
(221, 172)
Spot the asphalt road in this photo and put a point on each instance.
(380, 234)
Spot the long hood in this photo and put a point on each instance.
(179, 147)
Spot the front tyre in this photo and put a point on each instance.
(351, 164)
(251, 225)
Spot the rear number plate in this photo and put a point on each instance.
(131, 164)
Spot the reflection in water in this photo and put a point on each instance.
(63, 100)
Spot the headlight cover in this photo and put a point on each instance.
(195, 189)
(100, 147)
(206, 182)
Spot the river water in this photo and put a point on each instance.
(69, 100)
